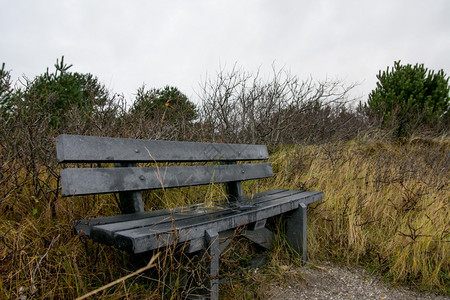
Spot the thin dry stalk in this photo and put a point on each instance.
(40, 261)
(149, 266)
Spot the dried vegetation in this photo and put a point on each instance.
(386, 201)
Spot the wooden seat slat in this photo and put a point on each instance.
(290, 202)
(83, 227)
(191, 212)
(152, 237)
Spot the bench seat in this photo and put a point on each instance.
(144, 231)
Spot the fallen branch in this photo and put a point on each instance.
(149, 266)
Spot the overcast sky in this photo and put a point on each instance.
(129, 43)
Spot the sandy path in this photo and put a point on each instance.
(330, 281)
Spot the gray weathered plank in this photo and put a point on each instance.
(76, 148)
(140, 219)
(153, 237)
(86, 181)
(108, 226)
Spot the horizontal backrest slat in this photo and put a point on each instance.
(86, 181)
(76, 148)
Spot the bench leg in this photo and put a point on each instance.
(212, 242)
(209, 258)
(296, 231)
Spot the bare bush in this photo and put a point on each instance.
(241, 107)
(28, 157)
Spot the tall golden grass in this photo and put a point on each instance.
(386, 206)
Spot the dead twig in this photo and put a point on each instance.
(149, 266)
(39, 263)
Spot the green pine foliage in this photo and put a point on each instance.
(5, 81)
(5, 90)
(59, 91)
(168, 103)
(409, 97)
(56, 94)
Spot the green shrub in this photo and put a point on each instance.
(410, 97)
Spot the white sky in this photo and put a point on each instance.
(177, 43)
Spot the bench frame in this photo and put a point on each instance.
(199, 227)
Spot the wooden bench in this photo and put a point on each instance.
(198, 226)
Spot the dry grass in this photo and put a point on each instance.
(386, 206)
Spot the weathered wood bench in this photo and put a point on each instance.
(198, 226)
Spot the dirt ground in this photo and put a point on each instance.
(330, 281)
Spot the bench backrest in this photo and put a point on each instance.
(128, 180)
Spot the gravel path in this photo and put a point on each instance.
(329, 281)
